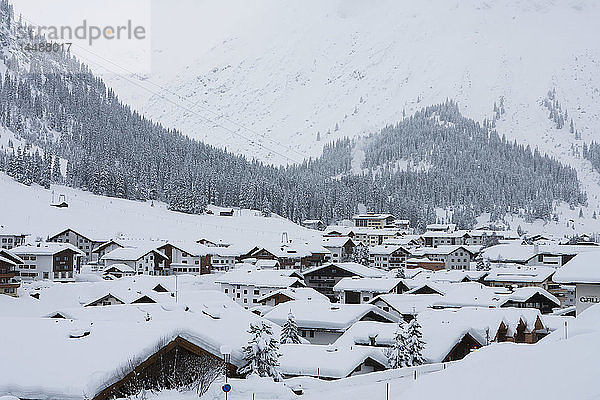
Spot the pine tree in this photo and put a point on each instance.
(289, 332)
(360, 255)
(262, 352)
(396, 354)
(414, 344)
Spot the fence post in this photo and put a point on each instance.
(387, 391)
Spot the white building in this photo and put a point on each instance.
(55, 261)
(454, 257)
(356, 290)
(145, 261)
(386, 256)
(10, 239)
(584, 272)
(340, 247)
(247, 286)
(85, 242)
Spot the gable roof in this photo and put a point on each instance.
(324, 316)
(583, 268)
(377, 285)
(407, 304)
(520, 273)
(85, 235)
(131, 253)
(351, 267)
(332, 361)
(45, 249)
(137, 339)
(260, 278)
(300, 293)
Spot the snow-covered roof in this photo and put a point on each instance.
(477, 295)
(131, 253)
(517, 252)
(520, 273)
(439, 337)
(92, 362)
(583, 268)
(444, 250)
(45, 249)
(406, 304)
(335, 241)
(324, 316)
(530, 371)
(326, 361)
(351, 267)
(91, 236)
(376, 285)
(299, 293)
(279, 278)
(444, 275)
(121, 268)
(192, 248)
(9, 257)
(385, 249)
(455, 234)
(266, 263)
(373, 216)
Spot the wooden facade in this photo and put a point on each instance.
(177, 360)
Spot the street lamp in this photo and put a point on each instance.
(226, 351)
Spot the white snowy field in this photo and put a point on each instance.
(27, 209)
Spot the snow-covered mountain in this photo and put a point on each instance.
(274, 75)
(278, 80)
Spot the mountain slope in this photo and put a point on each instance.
(60, 107)
(292, 70)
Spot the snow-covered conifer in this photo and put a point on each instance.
(289, 332)
(262, 352)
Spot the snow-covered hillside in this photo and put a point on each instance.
(27, 209)
(270, 75)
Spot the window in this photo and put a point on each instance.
(226, 290)
(245, 291)
(237, 295)
(312, 334)
(256, 292)
(183, 254)
(245, 300)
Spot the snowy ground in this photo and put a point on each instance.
(27, 209)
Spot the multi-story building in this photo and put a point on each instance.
(454, 257)
(340, 248)
(10, 239)
(8, 271)
(372, 220)
(190, 258)
(247, 286)
(86, 243)
(56, 261)
(388, 256)
(144, 260)
(375, 236)
(324, 277)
